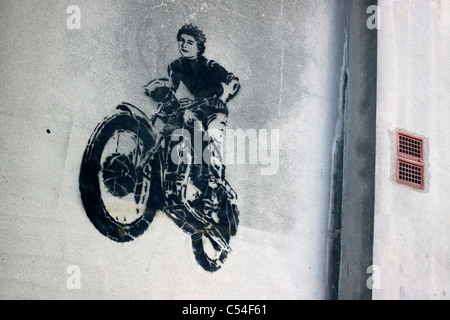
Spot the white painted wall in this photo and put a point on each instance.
(412, 235)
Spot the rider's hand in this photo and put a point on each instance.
(162, 82)
(153, 118)
(189, 116)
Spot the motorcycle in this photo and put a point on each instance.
(129, 172)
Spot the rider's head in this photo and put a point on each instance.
(191, 41)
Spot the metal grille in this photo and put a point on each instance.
(410, 173)
(410, 147)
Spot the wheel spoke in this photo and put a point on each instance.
(115, 199)
(118, 181)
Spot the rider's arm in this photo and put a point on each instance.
(230, 82)
(230, 89)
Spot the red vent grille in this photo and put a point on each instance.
(410, 173)
(409, 146)
(410, 160)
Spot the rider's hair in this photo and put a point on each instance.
(196, 33)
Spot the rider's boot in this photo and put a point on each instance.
(211, 199)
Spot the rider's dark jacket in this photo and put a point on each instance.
(202, 78)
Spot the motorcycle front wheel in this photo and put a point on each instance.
(114, 182)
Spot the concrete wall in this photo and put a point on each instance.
(412, 240)
(57, 84)
(358, 172)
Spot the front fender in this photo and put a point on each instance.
(128, 108)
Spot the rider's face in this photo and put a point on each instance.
(188, 46)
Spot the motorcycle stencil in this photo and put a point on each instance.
(135, 165)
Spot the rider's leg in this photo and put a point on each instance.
(213, 157)
(217, 123)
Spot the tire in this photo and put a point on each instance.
(112, 181)
(229, 217)
(203, 259)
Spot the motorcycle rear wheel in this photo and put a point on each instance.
(211, 245)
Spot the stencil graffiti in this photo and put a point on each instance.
(135, 165)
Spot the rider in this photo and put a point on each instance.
(193, 78)
(201, 88)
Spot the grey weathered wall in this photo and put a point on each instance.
(358, 156)
(57, 84)
(350, 225)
